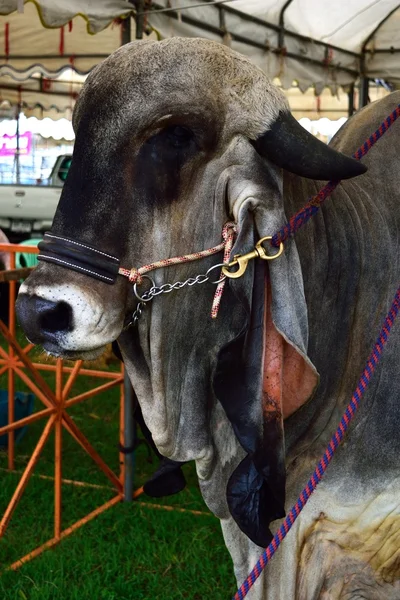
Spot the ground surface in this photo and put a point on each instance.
(130, 552)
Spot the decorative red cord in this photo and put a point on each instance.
(62, 38)
(135, 275)
(228, 236)
(7, 39)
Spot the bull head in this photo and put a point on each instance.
(173, 139)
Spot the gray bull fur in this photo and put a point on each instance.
(331, 290)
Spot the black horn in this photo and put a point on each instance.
(288, 145)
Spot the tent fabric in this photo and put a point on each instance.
(27, 47)
(320, 45)
(39, 96)
(286, 68)
(59, 95)
(98, 14)
(344, 26)
(343, 23)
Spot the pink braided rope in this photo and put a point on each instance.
(228, 235)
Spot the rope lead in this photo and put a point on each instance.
(299, 219)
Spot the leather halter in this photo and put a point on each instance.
(79, 257)
(105, 267)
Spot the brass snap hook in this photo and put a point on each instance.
(242, 260)
(261, 250)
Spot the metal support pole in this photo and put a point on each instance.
(126, 31)
(16, 156)
(351, 100)
(129, 395)
(222, 23)
(139, 18)
(364, 84)
(281, 34)
(129, 438)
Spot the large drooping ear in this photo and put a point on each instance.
(288, 145)
(263, 374)
(256, 488)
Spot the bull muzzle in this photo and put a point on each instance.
(42, 320)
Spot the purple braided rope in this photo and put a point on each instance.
(321, 467)
(315, 202)
(299, 219)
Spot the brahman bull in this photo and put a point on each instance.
(174, 139)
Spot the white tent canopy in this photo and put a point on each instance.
(317, 43)
(47, 50)
(50, 36)
(98, 14)
(314, 42)
(40, 96)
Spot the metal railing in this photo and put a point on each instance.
(15, 361)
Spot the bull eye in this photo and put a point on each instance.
(158, 167)
(179, 136)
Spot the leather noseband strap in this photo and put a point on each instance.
(78, 257)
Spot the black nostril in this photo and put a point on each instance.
(55, 317)
(41, 319)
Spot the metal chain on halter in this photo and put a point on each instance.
(136, 276)
(167, 288)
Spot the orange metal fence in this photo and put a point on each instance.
(16, 363)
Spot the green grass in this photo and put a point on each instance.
(130, 552)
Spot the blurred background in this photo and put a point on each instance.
(329, 58)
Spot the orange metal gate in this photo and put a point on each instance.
(16, 362)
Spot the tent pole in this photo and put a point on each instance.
(129, 395)
(139, 18)
(374, 32)
(129, 438)
(363, 87)
(364, 81)
(350, 95)
(126, 31)
(16, 155)
(281, 34)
